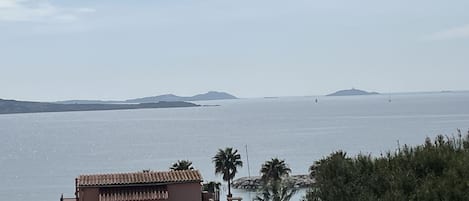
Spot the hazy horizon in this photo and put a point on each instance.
(253, 97)
(115, 50)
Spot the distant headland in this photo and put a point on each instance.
(352, 92)
(13, 106)
(211, 95)
(161, 101)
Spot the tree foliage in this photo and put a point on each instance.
(436, 170)
(274, 169)
(182, 165)
(211, 186)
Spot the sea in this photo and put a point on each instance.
(41, 154)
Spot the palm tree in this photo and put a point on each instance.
(274, 170)
(276, 190)
(226, 163)
(182, 165)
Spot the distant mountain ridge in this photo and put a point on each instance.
(352, 92)
(211, 95)
(89, 102)
(13, 106)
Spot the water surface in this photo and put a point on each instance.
(41, 154)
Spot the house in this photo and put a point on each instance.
(182, 185)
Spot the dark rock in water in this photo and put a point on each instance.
(352, 92)
(300, 181)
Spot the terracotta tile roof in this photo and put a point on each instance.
(140, 178)
(145, 194)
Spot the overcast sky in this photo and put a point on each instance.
(115, 49)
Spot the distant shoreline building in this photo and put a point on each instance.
(185, 185)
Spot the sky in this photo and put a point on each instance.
(115, 49)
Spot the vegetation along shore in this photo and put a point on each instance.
(435, 170)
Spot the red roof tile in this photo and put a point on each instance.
(140, 178)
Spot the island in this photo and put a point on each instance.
(14, 106)
(211, 95)
(352, 92)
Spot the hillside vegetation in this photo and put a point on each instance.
(436, 170)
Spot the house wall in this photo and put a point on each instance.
(176, 192)
(185, 192)
(88, 194)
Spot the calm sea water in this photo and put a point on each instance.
(41, 154)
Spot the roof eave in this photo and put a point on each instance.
(138, 184)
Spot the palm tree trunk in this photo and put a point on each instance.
(229, 188)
